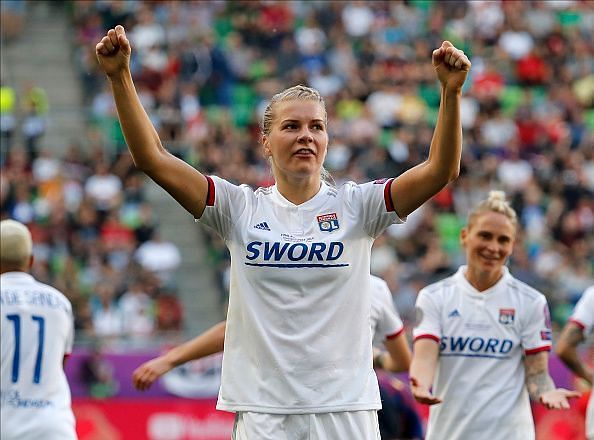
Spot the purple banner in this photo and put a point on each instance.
(197, 379)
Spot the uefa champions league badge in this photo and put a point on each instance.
(507, 316)
(328, 222)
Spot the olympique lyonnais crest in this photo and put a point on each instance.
(328, 222)
(507, 316)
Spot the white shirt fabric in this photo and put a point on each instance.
(297, 338)
(583, 316)
(483, 338)
(37, 331)
(385, 321)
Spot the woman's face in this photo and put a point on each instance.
(488, 241)
(298, 139)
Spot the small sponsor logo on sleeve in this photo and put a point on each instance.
(545, 335)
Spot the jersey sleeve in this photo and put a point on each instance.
(389, 324)
(536, 329)
(378, 209)
(428, 322)
(225, 203)
(583, 314)
(70, 338)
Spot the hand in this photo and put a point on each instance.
(145, 375)
(422, 394)
(451, 65)
(113, 51)
(558, 399)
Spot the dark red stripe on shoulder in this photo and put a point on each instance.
(395, 335)
(581, 325)
(388, 196)
(210, 197)
(538, 350)
(427, 336)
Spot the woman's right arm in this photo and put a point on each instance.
(187, 185)
(210, 342)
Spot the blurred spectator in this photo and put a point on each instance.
(160, 257)
(8, 105)
(12, 15)
(104, 188)
(35, 108)
(97, 374)
(108, 320)
(138, 309)
(169, 312)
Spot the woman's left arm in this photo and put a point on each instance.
(417, 185)
(540, 385)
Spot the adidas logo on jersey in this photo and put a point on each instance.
(454, 314)
(263, 226)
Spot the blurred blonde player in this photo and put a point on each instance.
(298, 358)
(482, 340)
(577, 329)
(37, 335)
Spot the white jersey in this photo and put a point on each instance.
(385, 321)
(37, 331)
(297, 338)
(583, 316)
(483, 337)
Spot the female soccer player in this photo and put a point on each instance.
(298, 358)
(577, 330)
(482, 340)
(37, 332)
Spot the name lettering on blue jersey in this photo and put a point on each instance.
(277, 254)
(475, 346)
(10, 298)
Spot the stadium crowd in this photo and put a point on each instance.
(204, 72)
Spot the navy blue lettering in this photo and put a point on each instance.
(476, 347)
(506, 346)
(291, 253)
(317, 249)
(491, 345)
(458, 343)
(332, 248)
(253, 250)
(443, 343)
(275, 250)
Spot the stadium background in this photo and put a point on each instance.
(142, 276)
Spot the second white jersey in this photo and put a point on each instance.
(385, 321)
(483, 337)
(297, 337)
(583, 316)
(37, 331)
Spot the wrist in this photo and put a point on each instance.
(451, 92)
(120, 76)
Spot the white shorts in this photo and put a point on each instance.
(348, 425)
